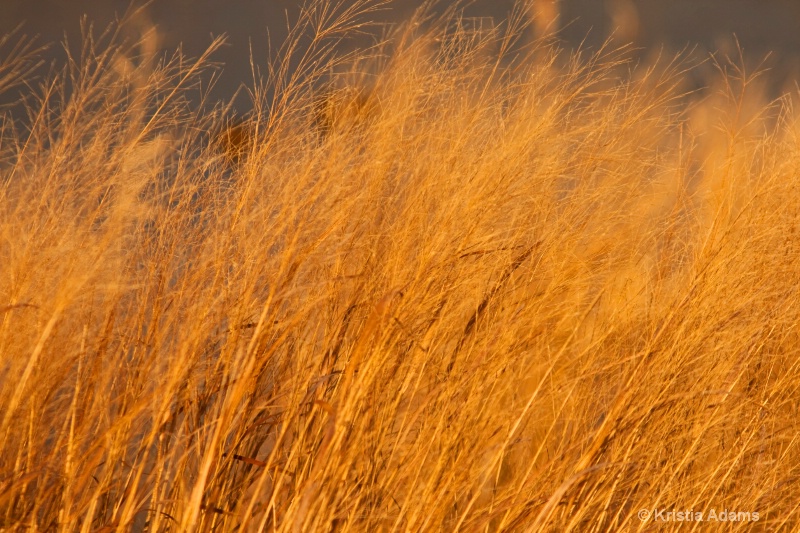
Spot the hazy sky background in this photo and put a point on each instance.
(761, 26)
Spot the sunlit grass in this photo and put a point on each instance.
(454, 283)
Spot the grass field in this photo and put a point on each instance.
(456, 282)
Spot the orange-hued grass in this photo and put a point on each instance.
(515, 290)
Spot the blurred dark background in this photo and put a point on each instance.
(760, 26)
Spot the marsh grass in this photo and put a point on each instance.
(530, 291)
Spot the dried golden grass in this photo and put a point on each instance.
(530, 294)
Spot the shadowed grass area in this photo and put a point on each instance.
(461, 284)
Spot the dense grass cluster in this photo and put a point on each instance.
(455, 283)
